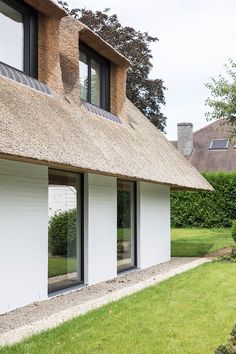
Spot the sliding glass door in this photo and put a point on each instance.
(64, 230)
(126, 233)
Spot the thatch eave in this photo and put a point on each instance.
(53, 131)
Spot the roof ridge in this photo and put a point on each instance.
(208, 125)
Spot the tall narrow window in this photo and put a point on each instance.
(18, 36)
(94, 78)
(95, 83)
(83, 77)
(126, 233)
(64, 230)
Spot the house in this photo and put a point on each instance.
(209, 148)
(66, 124)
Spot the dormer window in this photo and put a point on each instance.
(18, 36)
(94, 78)
(219, 144)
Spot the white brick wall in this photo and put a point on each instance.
(100, 228)
(23, 234)
(24, 230)
(153, 224)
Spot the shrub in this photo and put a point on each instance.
(206, 209)
(230, 347)
(62, 233)
(234, 231)
(228, 258)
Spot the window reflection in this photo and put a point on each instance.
(125, 225)
(83, 77)
(94, 78)
(11, 37)
(64, 263)
(95, 83)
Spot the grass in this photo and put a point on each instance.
(191, 313)
(58, 265)
(199, 242)
(124, 234)
(184, 242)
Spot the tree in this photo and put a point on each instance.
(223, 97)
(147, 94)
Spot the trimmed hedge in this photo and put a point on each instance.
(206, 209)
(62, 233)
(234, 231)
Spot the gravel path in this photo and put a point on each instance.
(37, 317)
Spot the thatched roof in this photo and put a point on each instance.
(57, 132)
(47, 7)
(93, 40)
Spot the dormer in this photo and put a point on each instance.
(18, 36)
(93, 72)
(29, 42)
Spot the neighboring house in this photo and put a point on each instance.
(65, 123)
(209, 148)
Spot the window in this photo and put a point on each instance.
(126, 225)
(219, 144)
(65, 246)
(18, 36)
(94, 78)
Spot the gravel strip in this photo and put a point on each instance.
(37, 317)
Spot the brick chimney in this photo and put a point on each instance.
(185, 138)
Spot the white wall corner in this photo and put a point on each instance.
(154, 225)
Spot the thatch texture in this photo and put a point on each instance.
(47, 7)
(58, 132)
(72, 32)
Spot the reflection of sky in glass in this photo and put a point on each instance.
(11, 37)
(95, 83)
(83, 67)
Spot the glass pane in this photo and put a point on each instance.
(64, 263)
(125, 225)
(95, 83)
(11, 37)
(83, 67)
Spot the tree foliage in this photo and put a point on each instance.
(147, 94)
(222, 102)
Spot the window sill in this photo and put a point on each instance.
(101, 112)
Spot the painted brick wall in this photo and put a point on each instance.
(153, 224)
(100, 228)
(23, 234)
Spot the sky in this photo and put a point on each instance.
(196, 39)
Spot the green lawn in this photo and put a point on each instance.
(191, 313)
(58, 265)
(198, 242)
(123, 234)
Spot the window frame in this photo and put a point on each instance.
(219, 149)
(80, 229)
(104, 76)
(134, 204)
(30, 23)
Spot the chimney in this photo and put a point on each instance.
(185, 138)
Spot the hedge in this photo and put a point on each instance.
(206, 209)
(62, 233)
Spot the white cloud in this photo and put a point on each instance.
(195, 39)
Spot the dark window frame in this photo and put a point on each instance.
(135, 221)
(104, 76)
(80, 235)
(30, 21)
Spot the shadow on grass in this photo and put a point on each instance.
(190, 249)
